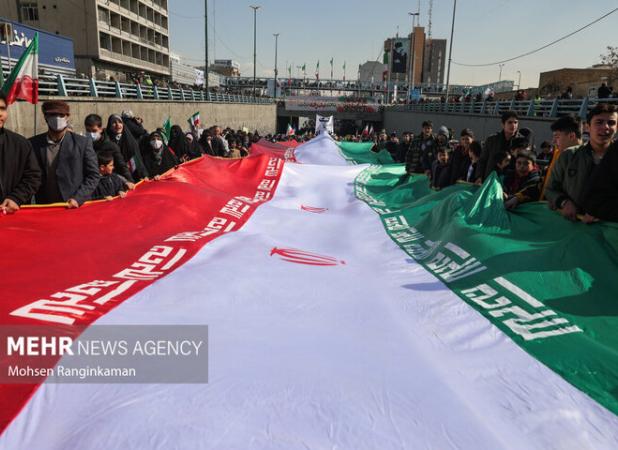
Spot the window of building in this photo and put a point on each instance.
(29, 11)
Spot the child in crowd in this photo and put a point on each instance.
(503, 159)
(110, 184)
(474, 154)
(439, 169)
(524, 184)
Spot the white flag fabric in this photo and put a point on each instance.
(324, 124)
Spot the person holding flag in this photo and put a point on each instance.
(19, 171)
(290, 131)
(68, 162)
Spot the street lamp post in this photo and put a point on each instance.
(206, 46)
(254, 8)
(276, 35)
(518, 80)
(413, 56)
(500, 77)
(450, 51)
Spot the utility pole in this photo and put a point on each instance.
(276, 35)
(255, 8)
(450, 51)
(500, 76)
(206, 46)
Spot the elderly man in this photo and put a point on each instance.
(20, 176)
(67, 160)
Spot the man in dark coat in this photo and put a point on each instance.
(421, 154)
(497, 143)
(67, 160)
(218, 145)
(20, 175)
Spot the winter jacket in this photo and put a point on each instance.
(602, 200)
(493, 144)
(571, 177)
(20, 174)
(109, 186)
(440, 174)
(77, 170)
(421, 154)
(526, 189)
(459, 163)
(104, 145)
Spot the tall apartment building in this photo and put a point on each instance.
(435, 62)
(426, 57)
(111, 37)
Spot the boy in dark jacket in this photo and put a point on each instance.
(524, 185)
(110, 184)
(440, 169)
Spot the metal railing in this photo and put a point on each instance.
(63, 86)
(551, 108)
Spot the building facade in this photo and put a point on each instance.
(372, 73)
(583, 82)
(434, 62)
(112, 38)
(225, 67)
(425, 59)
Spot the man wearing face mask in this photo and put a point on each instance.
(70, 172)
(102, 144)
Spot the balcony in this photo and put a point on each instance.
(136, 63)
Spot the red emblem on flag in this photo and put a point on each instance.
(311, 209)
(301, 257)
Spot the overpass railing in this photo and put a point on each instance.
(528, 108)
(63, 86)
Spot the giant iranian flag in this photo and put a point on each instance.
(348, 307)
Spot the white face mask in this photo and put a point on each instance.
(156, 144)
(94, 135)
(57, 123)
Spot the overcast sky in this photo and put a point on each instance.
(353, 31)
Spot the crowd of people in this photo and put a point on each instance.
(61, 166)
(577, 176)
(577, 173)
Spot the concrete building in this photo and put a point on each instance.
(434, 62)
(371, 72)
(426, 57)
(584, 82)
(111, 37)
(225, 67)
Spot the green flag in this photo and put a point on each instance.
(166, 130)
